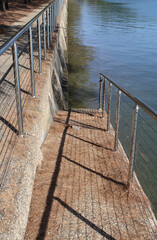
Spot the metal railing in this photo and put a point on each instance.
(50, 16)
(135, 125)
(20, 58)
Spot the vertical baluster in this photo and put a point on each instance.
(52, 19)
(53, 16)
(50, 23)
(117, 120)
(47, 20)
(31, 62)
(45, 57)
(133, 143)
(39, 46)
(100, 91)
(109, 107)
(17, 88)
(103, 101)
(57, 10)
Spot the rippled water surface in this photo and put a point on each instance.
(119, 39)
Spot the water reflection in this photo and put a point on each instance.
(80, 90)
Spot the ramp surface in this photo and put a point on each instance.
(80, 191)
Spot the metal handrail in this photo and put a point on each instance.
(138, 103)
(10, 67)
(50, 15)
(10, 42)
(21, 61)
(136, 100)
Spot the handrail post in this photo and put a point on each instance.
(100, 91)
(55, 14)
(47, 27)
(103, 101)
(17, 88)
(43, 16)
(57, 9)
(109, 107)
(52, 19)
(39, 46)
(31, 62)
(50, 23)
(117, 120)
(133, 142)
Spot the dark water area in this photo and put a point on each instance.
(82, 90)
(119, 39)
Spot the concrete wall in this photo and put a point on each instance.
(38, 115)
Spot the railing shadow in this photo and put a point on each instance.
(50, 197)
(83, 125)
(88, 126)
(97, 145)
(13, 85)
(9, 125)
(85, 112)
(85, 220)
(97, 173)
(8, 32)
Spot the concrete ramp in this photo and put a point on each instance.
(80, 191)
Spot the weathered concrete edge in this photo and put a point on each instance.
(27, 157)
